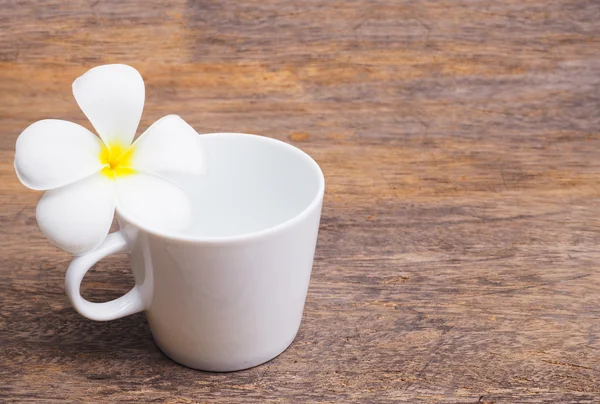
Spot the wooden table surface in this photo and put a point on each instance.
(458, 256)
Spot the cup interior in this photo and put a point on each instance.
(252, 183)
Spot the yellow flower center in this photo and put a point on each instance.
(117, 160)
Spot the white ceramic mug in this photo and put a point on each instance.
(229, 294)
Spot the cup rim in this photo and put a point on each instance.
(176, 236)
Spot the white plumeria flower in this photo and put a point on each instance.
(87, 178)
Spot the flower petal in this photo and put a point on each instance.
(112, 97)
(77, 217)
(170, 145)
(154, 201)
(52, 153)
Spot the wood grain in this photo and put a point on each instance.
(458, 253)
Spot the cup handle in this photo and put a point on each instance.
(125, 305)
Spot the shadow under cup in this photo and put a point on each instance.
(229, 292)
